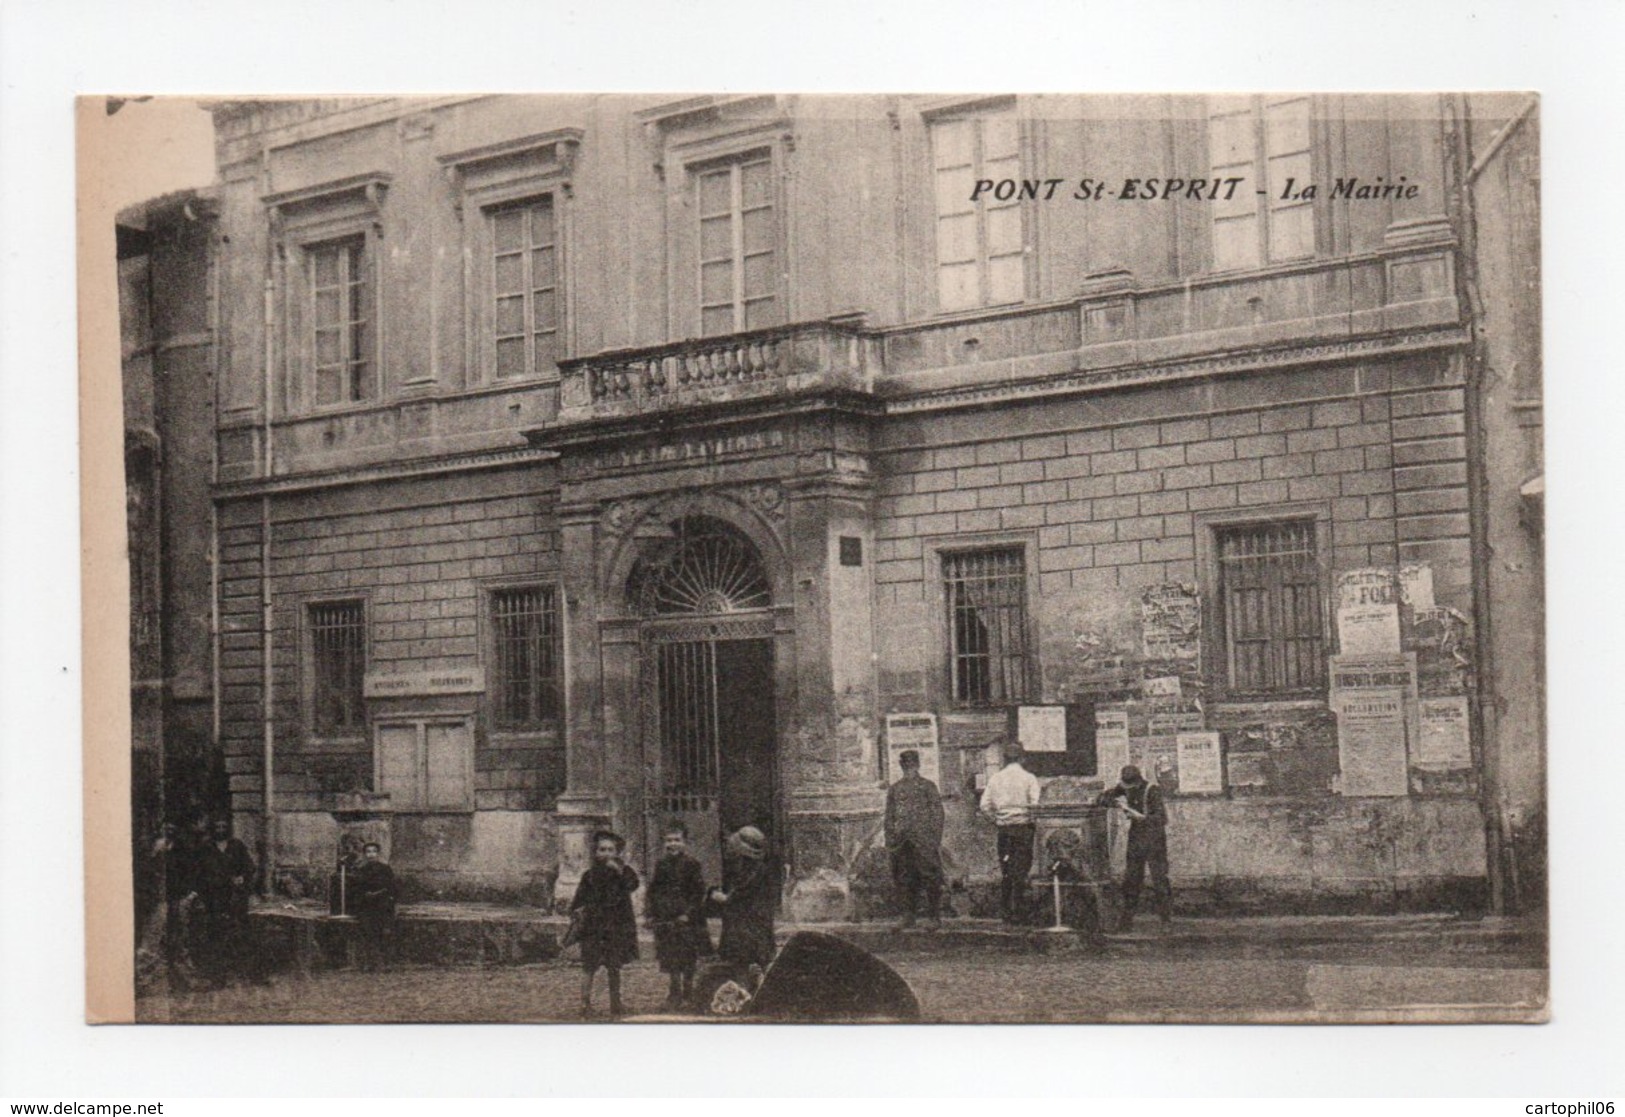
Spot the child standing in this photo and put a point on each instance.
(608, 931)
(676, 903)
(748, 898)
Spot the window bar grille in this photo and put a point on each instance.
(338, 638)
(525, 625)
(987, 620)
(1271, 592)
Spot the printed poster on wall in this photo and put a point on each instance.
(1201, 763)
(1363, 672)
(1041, 728)
(1171, 622)
(1368, 629)
(1111, 741)
(1371, 748)
(1416, 585)
(1367, 612)
(1371, 586)
(917, 732)
(1442, 731)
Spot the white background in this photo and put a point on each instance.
(50, 51)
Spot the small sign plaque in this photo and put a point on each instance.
(397, 684)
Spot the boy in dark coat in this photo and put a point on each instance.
(676, 908)
(608, 931)
(748, 898)
(372, 894)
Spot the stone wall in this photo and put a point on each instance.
(1113, 499)
(421, 555)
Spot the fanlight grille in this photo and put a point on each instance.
(708, 568)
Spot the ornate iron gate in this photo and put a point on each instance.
(708, 734)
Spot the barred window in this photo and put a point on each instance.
(527, 688)
(986, 593)
(338, 645)
(525, 284)
(1270, 607)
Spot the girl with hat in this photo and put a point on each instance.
(747, 898)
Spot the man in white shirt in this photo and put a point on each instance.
(1008, 802)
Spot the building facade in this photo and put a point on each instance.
(584, 461)
(165, 253)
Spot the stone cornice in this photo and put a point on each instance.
(388, 471)
(548, 443)
(366, 187)
(564, 140)
(1149, 374)
(599, 432)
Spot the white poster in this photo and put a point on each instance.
(1371, 747)
(917, 732)
(1201, 763)
(1443, 732)
(1416, 585)
(1372, 586)
(1111, 741)
(1041, 728)
(1368, 629)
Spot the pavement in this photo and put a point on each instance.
(1435, 934)
(1272, 937)
(1283, 969)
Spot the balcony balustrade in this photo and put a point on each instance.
(757, 364)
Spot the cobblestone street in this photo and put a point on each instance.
(953, 987)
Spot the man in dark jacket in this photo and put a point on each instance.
(1147, 841)
(224, 877)
(914, 841)
(372, 895)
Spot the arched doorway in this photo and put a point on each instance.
(710, 748)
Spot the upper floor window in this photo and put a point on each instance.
(1266, 142)
(340, 328)
(739, 278)
(1269, 612)
(527, 680)
(980, 243)
(337, 647)
(986, 594)
(525, 287)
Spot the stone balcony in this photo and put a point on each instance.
(758, 364)
(1116, 332)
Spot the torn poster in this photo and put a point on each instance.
(1171, 622)
(1442, 732)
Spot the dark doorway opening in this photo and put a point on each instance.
(718, 763)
